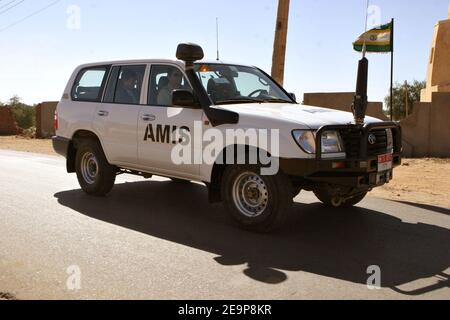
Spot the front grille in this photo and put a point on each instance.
(352, 141)
(381, 144)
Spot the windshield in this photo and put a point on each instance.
(228, 84)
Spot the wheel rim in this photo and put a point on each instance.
(250, 194)
(89, 167)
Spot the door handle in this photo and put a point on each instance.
(103, 113)
(148, 117)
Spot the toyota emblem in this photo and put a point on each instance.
(372, 139)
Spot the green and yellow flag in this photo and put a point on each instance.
(376, 40)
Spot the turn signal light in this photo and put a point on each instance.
(338, 165)
(55, 121)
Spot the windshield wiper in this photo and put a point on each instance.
(240, 100)
(277, 100)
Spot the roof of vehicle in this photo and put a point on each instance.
(181, 64)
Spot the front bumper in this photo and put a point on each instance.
(357, 173)
(360, 171)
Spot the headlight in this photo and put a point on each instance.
(306, 140)
(331, 141)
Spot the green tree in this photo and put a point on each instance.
(24, 114)
(399, 99)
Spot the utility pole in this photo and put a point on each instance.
(279, 47)
(406, 99)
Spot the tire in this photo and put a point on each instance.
(328, 200)
(95, 175)
(266, 203)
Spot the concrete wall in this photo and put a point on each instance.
(440, 125)
(416, 131)
(426, 132)
(342, 101)
(44, 119)
(8, 125)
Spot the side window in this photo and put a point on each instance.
(125, 85)
(89, 84)
(163, 81)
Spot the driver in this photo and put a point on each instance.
(175, 81)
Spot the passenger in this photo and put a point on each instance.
(126, 90)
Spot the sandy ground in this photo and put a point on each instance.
(417, 181)
(27, 145)
(422, 181)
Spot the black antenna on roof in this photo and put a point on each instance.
(217, 37)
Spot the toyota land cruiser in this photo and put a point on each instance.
(158, 117)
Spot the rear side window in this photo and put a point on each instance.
(89, 84)
(125, 84)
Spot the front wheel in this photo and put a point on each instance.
(339, 201)
(257, 203)
(95, 175)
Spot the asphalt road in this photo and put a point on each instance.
(159, 240)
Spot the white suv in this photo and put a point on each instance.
(229, 126)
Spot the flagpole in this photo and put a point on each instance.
(392, 69)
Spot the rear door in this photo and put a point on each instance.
(116, 117)
(86, 93)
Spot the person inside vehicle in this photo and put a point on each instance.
(126, 89)
(175, 82)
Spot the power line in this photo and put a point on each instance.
(12, 7)
(29, 16)
(5, 5)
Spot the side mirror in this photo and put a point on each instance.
(185, 99)
(293, 96)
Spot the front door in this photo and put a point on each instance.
(159, 121)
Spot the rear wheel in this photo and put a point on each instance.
(339, 201)
(95, 175)
(256, 202)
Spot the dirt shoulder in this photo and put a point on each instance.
(43, 146)
(420, 181)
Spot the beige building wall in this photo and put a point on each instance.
(438, 77)
(440, 125)
(8, 125)
(416, 131)
(426, 133)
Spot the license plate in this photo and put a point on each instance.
(385, 162)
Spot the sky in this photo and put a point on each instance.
(42, 41)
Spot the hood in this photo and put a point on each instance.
(308, 116)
